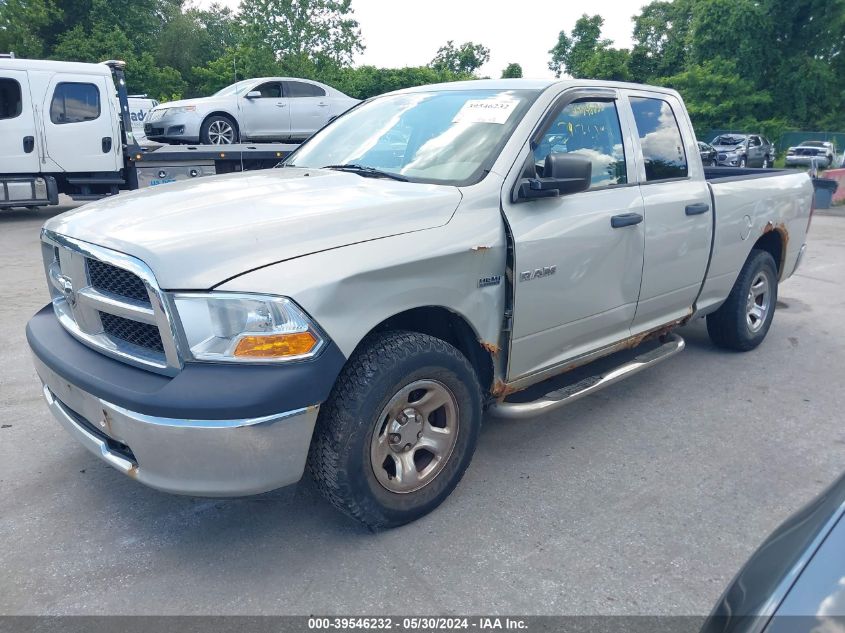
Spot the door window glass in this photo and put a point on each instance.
(75, 102)
(10, 98)
(591, 129)
(660, 138)
(271, 90)
(302, 89)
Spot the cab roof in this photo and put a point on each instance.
(55, 66)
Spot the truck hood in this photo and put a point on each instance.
(196, 234)
(727, 148)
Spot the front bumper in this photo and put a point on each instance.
(180, 127)
(807, 161)
(727, 160)
(212, 430)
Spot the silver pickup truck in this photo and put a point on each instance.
(425, 258)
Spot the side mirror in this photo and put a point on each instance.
(562, 174)
(253, 94)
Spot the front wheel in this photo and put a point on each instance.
(743, 321)
(218, 130)
(742, 163)
(398, 431)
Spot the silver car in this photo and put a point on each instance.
(261, 109)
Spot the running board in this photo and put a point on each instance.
(563, 396)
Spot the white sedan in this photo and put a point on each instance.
(262, 109)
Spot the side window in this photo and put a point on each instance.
(270, 90)
(75, 102)
(302, 89)
(10, 98)
(591, 129)
(660, 138)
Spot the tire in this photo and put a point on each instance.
(356, 428)
(742, 163)
(738, 325)
(219, 130)
(765, 162)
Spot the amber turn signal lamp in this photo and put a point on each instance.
(276, 345)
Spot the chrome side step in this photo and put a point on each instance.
(560, 397)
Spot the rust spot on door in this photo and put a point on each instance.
(479, 249)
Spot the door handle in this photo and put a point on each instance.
(281, 105)
(698, 208)
(323, 105)
(625, 219)
(28, 144)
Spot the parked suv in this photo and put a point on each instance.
(262, 109)
(743, 150)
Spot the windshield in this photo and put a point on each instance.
(443, 137)
(727, 140)
(233, 89)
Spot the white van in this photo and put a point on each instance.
(139, 109)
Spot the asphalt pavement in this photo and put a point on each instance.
(643, 499)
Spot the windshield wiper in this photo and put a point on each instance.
(363, 170)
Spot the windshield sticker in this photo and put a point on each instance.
(485, 111)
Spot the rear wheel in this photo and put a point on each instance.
(398, 431)
(218, 130)
(766, 163)
(744, 319)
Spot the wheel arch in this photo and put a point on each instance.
(446, 325)
(774, 242)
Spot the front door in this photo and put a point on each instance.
(576, 278)
(81, 126)
(18, 139)
(266, 116)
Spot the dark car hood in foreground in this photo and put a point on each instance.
(761, 586)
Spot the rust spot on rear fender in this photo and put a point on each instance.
(133, 471)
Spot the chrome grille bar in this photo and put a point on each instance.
(78, 305)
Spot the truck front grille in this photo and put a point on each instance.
(111, 302)
(117, 281)
(139, 334)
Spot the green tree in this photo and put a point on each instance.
(512, 71)
(236, 63)
(717, 96)
(661, 33)
(24, 26)
(303, 34)
(584, 53)
(466, 58)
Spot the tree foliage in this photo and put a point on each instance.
(512, 71)
(757, 64)
(466, 58)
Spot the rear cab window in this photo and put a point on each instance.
(74, 102)
(660, 139)
(11, 99)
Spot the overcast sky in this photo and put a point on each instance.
(402, 33)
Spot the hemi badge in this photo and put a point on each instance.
(494, 280)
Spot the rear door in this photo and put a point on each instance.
(18, 147)
(310, 108)
(81, 127)
(577, 277)
(678, 217)
(267, 116)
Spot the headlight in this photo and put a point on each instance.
(246, 328)
(179, 110)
